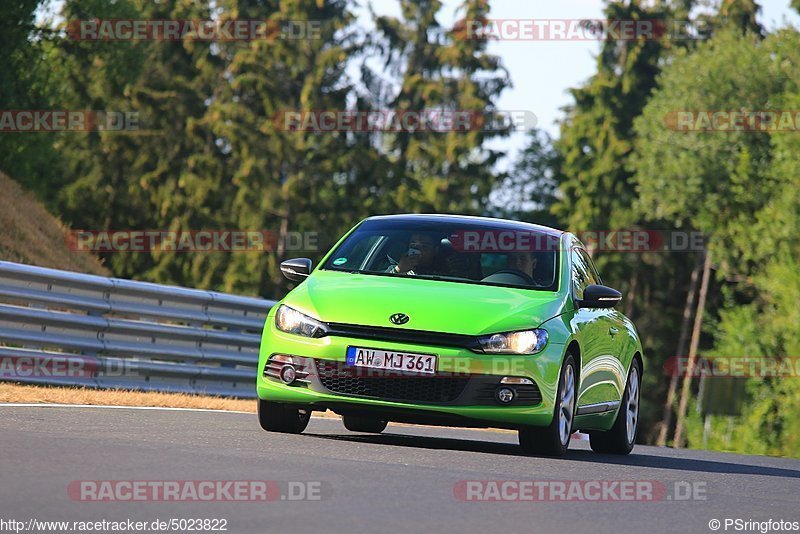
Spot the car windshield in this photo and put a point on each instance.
(492, 253)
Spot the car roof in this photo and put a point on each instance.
(505, 224)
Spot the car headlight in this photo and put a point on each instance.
(293, 322)
(520, 342)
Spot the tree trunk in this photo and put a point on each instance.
(687, 380)
(629, 302)
(680, 352)
(285, 214)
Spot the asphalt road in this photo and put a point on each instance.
(401, 481)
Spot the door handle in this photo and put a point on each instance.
(613, 331)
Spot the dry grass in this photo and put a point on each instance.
(18, 393)
(32, 235)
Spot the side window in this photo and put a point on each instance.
(354, 255)
(583, 272)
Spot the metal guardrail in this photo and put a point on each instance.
(65, 328)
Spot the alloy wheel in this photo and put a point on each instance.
(567, 405)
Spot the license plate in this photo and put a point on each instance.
(391, 360)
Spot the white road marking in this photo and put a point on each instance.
(113, 407)
(118, 407)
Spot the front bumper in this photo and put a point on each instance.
(460, 394)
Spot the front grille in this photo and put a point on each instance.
(335, 377)
(404, 335)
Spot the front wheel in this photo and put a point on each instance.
(276, 417)
(622, 436)
(553, 440)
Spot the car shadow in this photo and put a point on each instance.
(426, 442)
(654, 461)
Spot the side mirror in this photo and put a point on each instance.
(297, 269)
(596, 296)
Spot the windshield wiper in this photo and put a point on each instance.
(441, 277)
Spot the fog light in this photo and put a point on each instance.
(504, 395)
(288, 374)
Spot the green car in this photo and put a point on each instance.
(456, 321)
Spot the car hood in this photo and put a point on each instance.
(432, 305)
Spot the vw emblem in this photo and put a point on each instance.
(399, 318)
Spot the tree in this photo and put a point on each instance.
(529, 191)
(165, 176)
(29, 82)
(740, 185)
(283, 178)
(597, 133)
(596, 191)
(714, 181)
(438, 171)
(740, 15)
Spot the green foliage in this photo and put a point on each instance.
(596, 190)
(166, 176)
(439, 171)
(742, 187)
(212, 154)
(621, 166)
(529, 191)
(740, 15)
(281, 180)
(716, 181)
(29, 81)
(596, 134)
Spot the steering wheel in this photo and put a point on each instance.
(528, 279)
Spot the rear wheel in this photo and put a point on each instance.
(622, 436)
(355, 423)
(276, 417)
(553, 439)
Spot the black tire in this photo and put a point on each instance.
(355, 423)
(548, 441)
(618, 440)
(276, 417)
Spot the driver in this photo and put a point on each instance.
(522, 261)
(420, 256)
(526, 262)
